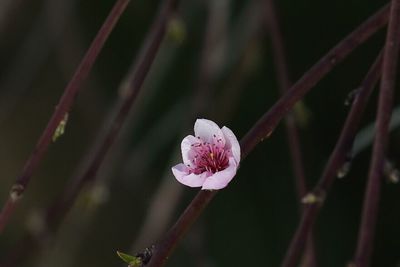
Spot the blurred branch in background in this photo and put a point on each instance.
(60, 113)
(8, 10)
(160, 212)
(67, 53)
(68, 243)
(113, 124)
(94, 195)
(282, 73)
(36, 47)
(242, 59)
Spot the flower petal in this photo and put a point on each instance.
(221, 179)
(208, 131)
(232, 142)
(186, 148)
(181, 173)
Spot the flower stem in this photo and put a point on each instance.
(267, 123)
(385, 104)
(62, 108)
(336, 160)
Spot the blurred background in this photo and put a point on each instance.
(217, 62)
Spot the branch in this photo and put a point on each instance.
(267, 123)
(156, 222)
(119, 114)
(33, 53)
(284, 85)
(291, 128)
(175, 234)
(62, 108)
(386, 94)
(336, 160)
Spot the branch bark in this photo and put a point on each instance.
(292, 133)
(336, 160)
(264, 127)
(62, 108)
(385, 104)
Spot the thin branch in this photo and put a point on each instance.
(284, 85)
(267, 123)
(265, 126)
(291, 128)
(336, 160)
(386, 94)
(117, 116)
(31, 56)
(176, 233)
(112, 127)
(155, 222)
(62, 108)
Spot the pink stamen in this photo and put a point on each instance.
(209, 157)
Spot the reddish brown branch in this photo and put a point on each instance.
(372, 194)
(118, 116)
(336, 160)
(264, 127)
(62, 108)
(175, 234)
(291, 128)
(267, 123)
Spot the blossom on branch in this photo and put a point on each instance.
(210, 158)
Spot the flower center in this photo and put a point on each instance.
(209, 158)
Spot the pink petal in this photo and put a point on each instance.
(221, 179)
(181, 173)
(208, 131)
(186, 148)
(232, 142)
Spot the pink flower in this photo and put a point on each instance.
(210, 159)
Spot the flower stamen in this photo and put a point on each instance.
(210, 157)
